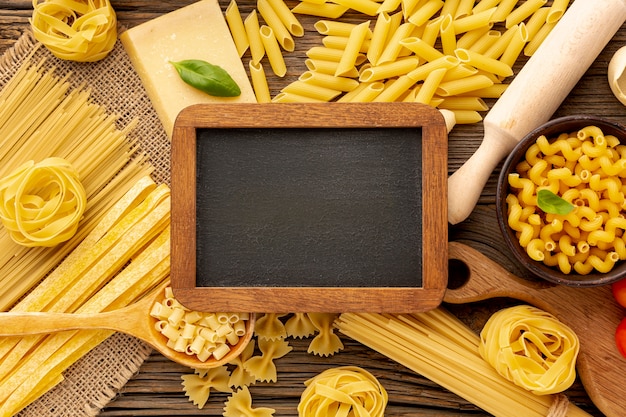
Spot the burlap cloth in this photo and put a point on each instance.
(95, 379)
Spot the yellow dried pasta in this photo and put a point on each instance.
(530, 348)
(240, 404)
(41, 204)
(75, 30)
(346, 391)
(326, 342)
(198, 386)
(263, 367)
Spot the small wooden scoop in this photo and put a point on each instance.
(134, 320)
(591, 313)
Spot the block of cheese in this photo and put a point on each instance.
(197, 31)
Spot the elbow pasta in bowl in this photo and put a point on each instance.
(561, 201)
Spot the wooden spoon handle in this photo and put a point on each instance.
(536, 92)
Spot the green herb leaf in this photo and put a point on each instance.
(552, 203)
(212, 79)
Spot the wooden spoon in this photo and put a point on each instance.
(591, 313)
(134, 320)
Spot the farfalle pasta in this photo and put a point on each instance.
(269, 326)
(263, 367)
(530, 348)
(347, 391)
(75, 30)
(41, 204)
(299, 325)
(587, 169)
(326, 342)
(198, 386)
(240, 404)
(239, 377)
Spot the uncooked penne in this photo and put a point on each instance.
(420, 73)
(294, 98)
(389, 69)
(273, 21)
(474, 103)
(464, 8)
(379, 37)
(425, 12)
(368, 7)
(367, 93)
(388, 6)
(314, 91)
(327, 10)
(471, 37)
(557, 10)
(536, 21)
(474, 21)
(334, 28)
(251, 24)
(329, 81)
(421, 48)
(466, 116)
(341, 42)
(352, 51)
(485, 42)
(431, 83)
(327, 67)
(503, 10)
(523, 12)
(484, 63)
(484, 5)
(515, 47)
(447, 35)
(259, 82)
(535, 41)
(395, 90)
(463, 85)
(496, 50)
(237, 29)
(272, 51)
(290, 21)
(394, 46)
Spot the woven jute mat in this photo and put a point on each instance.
(95, 379)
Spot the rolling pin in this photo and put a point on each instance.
(535, 94)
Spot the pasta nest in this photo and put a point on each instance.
(74, 30)
(41, 204)
(530, 348)
(347, 391)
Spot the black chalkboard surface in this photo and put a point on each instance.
(288, 208)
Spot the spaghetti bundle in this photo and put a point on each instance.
(438, 346)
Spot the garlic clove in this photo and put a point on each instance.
(617, 74)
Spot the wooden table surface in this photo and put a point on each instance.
(156, 390)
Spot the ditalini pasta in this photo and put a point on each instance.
(346, 391)
(531, 348)
(585, 168)
(205, 335)
(475, 41)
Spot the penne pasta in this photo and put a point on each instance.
(450, 7)
(395, 90)
(289, 20)
(272, 51)
(464, 8)
(237, 30)
(432, 30)
(536, 21)
(283, 97)
(379, 37)
(259, 82)
(388, 6)
(301, 88)
(496, 50)
(329, 81)
(352, 51)
(420, 73)
(557, 10)
(327, 67)
(448, 36)
(471, 37)
(474, 21)
(425, 12)
(503, 10)
(484, 63)
(251, 24)
(523, 11)
(463, 85)
(535, 41)
(327, 10)
(390, 69)
(341, 42)
(473, 103)
(431, 83)
(421, 48)
(485, 42)
(493, 91)
(366, 93)
(272, 20)
(484, 5)
(394, 45)
(368, 7)
(515, 47)
(334, 28)
(467, 117)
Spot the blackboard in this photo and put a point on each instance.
(309, 207)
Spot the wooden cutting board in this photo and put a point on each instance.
(591, 312)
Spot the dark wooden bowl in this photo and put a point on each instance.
(552, 129)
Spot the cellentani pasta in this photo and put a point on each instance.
(390, 51)
(586, 168)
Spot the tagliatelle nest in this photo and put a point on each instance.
(42, 203)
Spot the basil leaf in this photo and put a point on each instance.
(552, 203)
(212, 79)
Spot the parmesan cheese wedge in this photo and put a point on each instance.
(197, 31)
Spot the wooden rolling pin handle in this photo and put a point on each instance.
(536, 92)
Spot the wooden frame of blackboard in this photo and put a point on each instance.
(259, 297)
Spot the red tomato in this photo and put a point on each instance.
(619, 292)
(620, 337)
